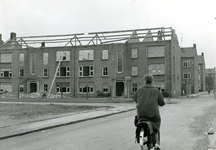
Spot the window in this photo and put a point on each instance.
(5, 73)
(186, 63)
(6, 58)
(45, 72)
(134, 70)
(21, 88)
(63, 72)
(186, 76)
(45, 58)
(21, 72)
(156, 51)
(105, 88)
(86, 71)
(120, 61)
(21, 59)
(104, 71)
(133, 53)
(104, 54)
(63, 55)
(45, 87)
(134, 87)
(33, 64)
(86, 54)
(63, 89)
(86, 88)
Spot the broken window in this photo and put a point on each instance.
(86, 87)
(63, 89)
(21, 72)
(134, 87)
(134, 70)
(86, 54)
(104, 54)
(156, 51)
(133, 53)
(105, 87)
(63, 72)
(33, 64)
(104, 71)
(5, 73)
(86, 71)
(21, 59)
(5, 58)
(120, 61)
(6, 87)
(63, 55)
(21, 88)
(45, 72)
(45, 58)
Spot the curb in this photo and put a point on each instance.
(63, 124)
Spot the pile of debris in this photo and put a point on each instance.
(38, 94)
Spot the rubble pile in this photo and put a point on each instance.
(38, 94)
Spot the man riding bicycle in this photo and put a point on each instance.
(147, 99)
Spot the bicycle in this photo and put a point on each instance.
(145, 136)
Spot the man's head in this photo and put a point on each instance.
(148, 79)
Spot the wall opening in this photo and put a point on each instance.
(119, 88)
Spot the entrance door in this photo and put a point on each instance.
(119, 88)
(33, 87)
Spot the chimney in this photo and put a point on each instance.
(202, 54)
(12, 35)
(194, 45)
(1, 42)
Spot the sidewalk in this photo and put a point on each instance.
(25, 128)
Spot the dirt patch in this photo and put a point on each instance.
(11, 114)
(201, 125)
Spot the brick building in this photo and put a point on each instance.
(102, 62)
(193, 71)
(210, 78)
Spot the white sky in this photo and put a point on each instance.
(193, 20)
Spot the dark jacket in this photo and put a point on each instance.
(148, 98)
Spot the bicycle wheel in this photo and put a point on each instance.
(142, 140)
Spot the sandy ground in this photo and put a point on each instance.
(11, 114)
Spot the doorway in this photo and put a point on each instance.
(119, 88)
(33, 87)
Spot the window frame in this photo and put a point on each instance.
(91, 71)
(67, 71)
(134, 88)
(82, 55)
(105, 53)
(134, 66)
(136, 54)
(31, 63)
(22, 72)
(47, 72)
(105, 71)
(187, 74)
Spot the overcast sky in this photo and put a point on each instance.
(193, 20)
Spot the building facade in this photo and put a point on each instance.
(210, 78)
(193, 71)
(111, 63)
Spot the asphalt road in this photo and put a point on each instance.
(184, 127)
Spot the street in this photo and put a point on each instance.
(184, 127)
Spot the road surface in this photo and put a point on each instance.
(184, 127)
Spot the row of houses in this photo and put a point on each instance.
(111, 63)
